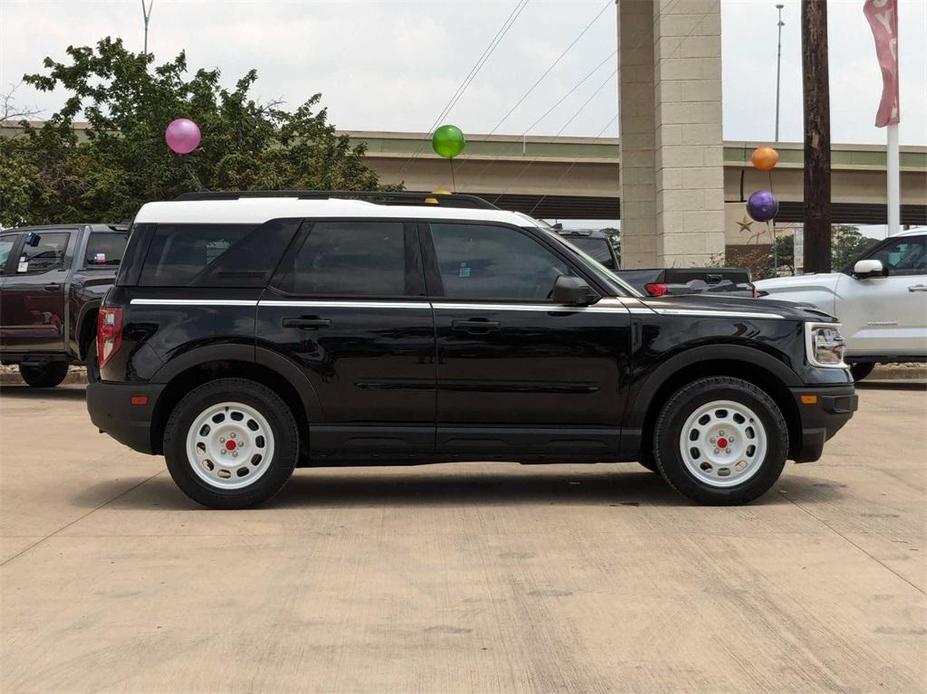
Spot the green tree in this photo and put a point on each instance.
(104, 173)
(846, 243)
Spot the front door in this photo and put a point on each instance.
(34, 294)
(888, 315)
(348, 306)
(515, 371)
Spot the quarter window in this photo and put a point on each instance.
(215, 255)
(494, 262)
(355, 259)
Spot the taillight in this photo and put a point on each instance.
(109, 334)
(656, 289)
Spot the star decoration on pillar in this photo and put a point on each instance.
(746, 224)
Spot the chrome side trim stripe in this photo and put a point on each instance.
(604, 306)
(345, 304)
(193, 302)
(715, 314)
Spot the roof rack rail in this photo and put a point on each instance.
(379, 197)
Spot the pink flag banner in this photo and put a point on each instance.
(883, 19)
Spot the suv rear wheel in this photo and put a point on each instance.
(721, 440)
(231, 443)
(46, 375)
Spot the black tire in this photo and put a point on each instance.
(46, 375)
(273, 409)
(687, 400)
(860, 371)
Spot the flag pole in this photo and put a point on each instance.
(893, 175)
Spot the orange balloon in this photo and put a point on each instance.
(765, 158)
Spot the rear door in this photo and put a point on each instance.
(515, 371)
(348, 306)
(34, 293)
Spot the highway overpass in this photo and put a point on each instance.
(577, 177)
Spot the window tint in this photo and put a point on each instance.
(215, 255)
(906, 256)
(47, 255)
(104, 249)
(6, 245)
(489, 262)
(354, 259)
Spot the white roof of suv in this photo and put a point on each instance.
(255, 210)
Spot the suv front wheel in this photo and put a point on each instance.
(231, 443)
(721, 440)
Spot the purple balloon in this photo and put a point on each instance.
(762, 205)
(182, 136)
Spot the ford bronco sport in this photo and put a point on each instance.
(249, 334)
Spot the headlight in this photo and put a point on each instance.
(824, 345)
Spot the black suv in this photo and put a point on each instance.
(249, 334)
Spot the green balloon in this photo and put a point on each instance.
(448, 141)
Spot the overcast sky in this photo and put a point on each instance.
(392, 65)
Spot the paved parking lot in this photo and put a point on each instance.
(467, 578)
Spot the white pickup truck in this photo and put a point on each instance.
(881, 300)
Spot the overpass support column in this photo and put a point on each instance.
(672, 174)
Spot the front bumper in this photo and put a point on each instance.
(112, 412)
(822, 413)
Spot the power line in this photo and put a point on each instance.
(474, 71)
(550, 67)
(559, 132)
(572, 89)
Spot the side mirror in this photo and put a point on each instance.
(865, 269)
(573, 291)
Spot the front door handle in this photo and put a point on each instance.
(307, 323)
(475, 326)
(53, 287)
(918, 288)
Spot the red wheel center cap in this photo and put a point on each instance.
(722, 443)
(230, 445)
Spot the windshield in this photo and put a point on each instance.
(618, 285)
(597, 248)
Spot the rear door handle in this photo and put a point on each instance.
(918, 288)
(307, 323)
(476, 326)
(53, 287)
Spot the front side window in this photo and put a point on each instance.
(6, 247)
(215, 255)
(352, 259)
(493, 262)
(905, 256)
(104, 249)
(47, 255)
(596, 248)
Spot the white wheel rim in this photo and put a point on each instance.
(723, 443)
(230, 445)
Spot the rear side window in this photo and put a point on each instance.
(104, 249)
(355, 259)
(215, 255)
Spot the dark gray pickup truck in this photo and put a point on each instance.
(52, 280)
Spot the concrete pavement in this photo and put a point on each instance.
(460, 578)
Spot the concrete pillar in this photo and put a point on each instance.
(672, 178)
